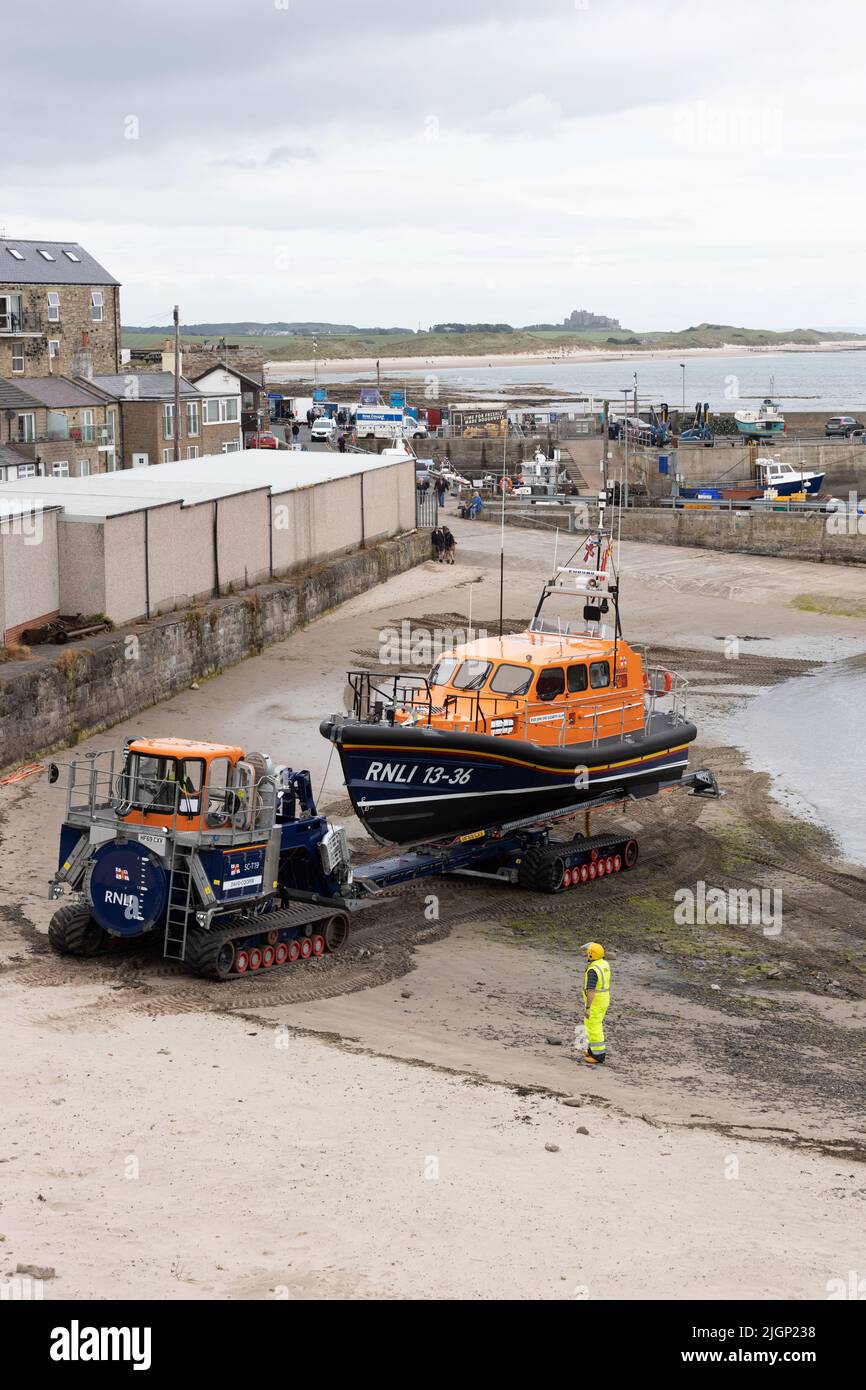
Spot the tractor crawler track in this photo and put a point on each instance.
(266, 941)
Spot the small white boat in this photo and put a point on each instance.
(766, 423)
(782, 480)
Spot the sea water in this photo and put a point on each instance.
(809, 734)
(822, 381)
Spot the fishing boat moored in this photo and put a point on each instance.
(770, 478)
(766, 423)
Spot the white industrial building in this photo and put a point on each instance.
(145, 541)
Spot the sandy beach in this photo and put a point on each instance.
(284, 371)
(407, 1118)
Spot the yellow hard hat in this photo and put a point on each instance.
(594, 951)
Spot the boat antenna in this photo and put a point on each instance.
(502, 526)
(614, 586)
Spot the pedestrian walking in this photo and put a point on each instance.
(449, 545)
(441, 491)
(596, 998)
(296, 430)
(341, 442)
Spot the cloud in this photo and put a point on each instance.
(451, 161)
(285, 154)
(227, 163)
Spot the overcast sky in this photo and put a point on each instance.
(376, 163)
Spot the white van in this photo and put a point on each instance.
(378, 422)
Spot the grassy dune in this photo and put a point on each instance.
(297, 348)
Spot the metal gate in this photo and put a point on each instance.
(426, 509)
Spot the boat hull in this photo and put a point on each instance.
(709, 493)
(750, 431)
(416, 784)
(808, 483)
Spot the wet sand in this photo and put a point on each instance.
(338, 1129)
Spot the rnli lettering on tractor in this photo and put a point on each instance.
(130, 903)
(127, 887)
(400, 773)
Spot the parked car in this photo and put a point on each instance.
(263, 441)
(841, 426)
(323, 428)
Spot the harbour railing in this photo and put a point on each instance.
(101, 793)
(407, 699)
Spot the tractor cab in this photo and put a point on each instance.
(197, 786)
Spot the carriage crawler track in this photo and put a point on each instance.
(557, 866)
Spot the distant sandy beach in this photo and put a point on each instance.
(287, 371)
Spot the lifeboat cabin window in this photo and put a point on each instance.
(550, 683)
(599, 674)
(472, 675)
(443, 671)
(511, 680)
(576, 679)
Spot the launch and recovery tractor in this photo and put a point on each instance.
(218, 851)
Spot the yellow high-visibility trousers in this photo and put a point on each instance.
(595, 1025)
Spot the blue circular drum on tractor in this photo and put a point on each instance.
(128, 888)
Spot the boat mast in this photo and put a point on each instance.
(502, 525)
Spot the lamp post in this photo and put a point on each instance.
(625, 449)
(683, 366)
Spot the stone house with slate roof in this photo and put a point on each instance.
(59, 311)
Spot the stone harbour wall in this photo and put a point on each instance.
(827, 539)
